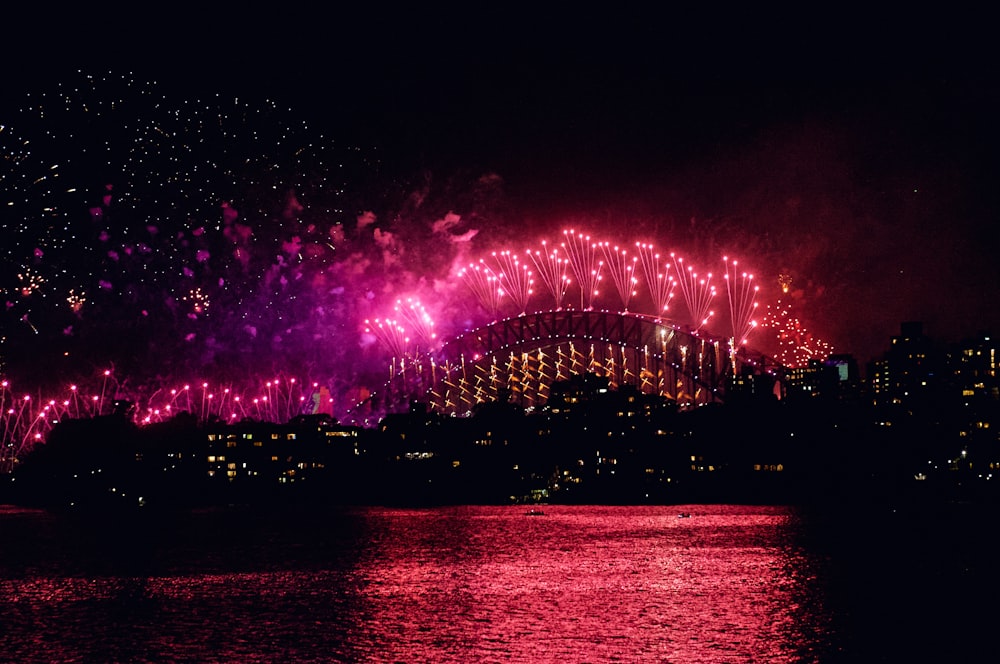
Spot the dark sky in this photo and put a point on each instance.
(858, 153)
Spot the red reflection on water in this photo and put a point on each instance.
(442, 585)
(588, 583)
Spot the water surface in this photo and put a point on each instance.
(716, 583)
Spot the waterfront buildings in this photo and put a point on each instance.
(925, 420)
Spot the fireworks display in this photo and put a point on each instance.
(621, 268)
(796, 345)
(658, 279)
(486, 286)
(582, 254)
(741, 293)
(416, 316)
(176, 238)
(514, 279)
(131, 217)
(698, 291)
(552, 268)
(152, 244)
(641, 282)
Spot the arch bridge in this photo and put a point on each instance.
(523, 356)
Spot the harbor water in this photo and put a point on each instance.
(688, 583)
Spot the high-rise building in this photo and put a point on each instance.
(910, 373)
(975, 387)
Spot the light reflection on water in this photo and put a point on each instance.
(454, 584)
(589, 583)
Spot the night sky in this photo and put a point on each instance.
(859, 158)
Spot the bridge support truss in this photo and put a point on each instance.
(522, 357)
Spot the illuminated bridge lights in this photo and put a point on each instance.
(508, 356)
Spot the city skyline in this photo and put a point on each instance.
(219, 225)
(867, 187)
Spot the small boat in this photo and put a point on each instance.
(684, 515)
(535, 512)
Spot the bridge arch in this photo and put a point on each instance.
(522, 356)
